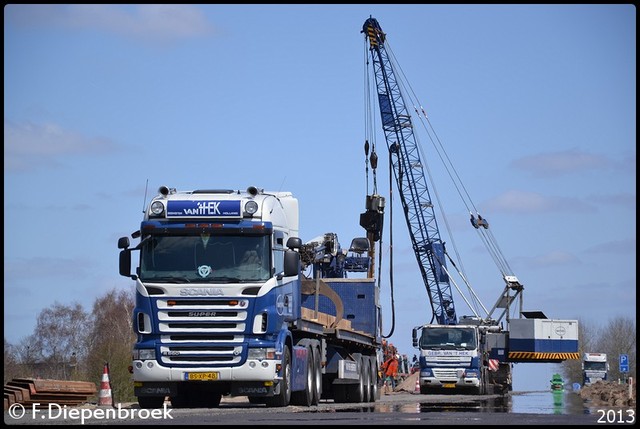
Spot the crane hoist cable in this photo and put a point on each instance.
(481, 225)
(391, 288)
(372, 160)
(461, 271)
(414, 192)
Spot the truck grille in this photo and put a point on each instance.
(443, 374)
(202, 331)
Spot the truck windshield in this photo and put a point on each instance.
(595, 366)
(448, 338)
(205, 258)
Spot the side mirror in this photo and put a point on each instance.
(291, 263)
(123, 243)
(414, 337)
(294, 243)
(125, 262)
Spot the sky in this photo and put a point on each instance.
(535, 105)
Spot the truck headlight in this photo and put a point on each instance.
(144, 354)
(426, 373)
(261, 353)
(471, 373)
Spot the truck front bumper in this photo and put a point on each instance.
(444, 382)
(251, 370)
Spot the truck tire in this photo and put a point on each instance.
(283, 398)
(151, 401)
(484, 377)
(373, 381)
(305, 397)
(317, 374)
(365, 369)
(355, 392)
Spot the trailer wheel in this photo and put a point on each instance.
(373, 381)
(355, 392)
(365, 369)
(283, 398)
(317, 374)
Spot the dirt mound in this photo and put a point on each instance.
(607, 393)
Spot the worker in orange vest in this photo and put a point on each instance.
(390, 370)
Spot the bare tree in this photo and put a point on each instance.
(112, 341)
(11, 365)
(617, 337)
(59, 340)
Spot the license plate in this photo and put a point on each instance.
(203, 376)
(449, 385)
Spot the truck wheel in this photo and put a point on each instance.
(355, 392)
(317, 373)
(151, 401)
(365, 369)
(284, 397)
(373, 381)
(305, 397)
(484, 376)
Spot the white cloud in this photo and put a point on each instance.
(37, 268)
(531, 203)
(159, 22)
(28, 145)
(621, 247)
(622, 200)
(558, 163)
(554, 258)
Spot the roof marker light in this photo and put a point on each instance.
(157, 208)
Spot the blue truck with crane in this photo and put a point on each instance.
(230, 301)
(472, 353)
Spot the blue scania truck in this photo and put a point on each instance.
(230, 301)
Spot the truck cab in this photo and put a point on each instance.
(594, 368)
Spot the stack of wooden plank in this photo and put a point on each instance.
(42, 392)
(325, 319)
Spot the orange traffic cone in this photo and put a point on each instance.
(417, 389)
(105, 397)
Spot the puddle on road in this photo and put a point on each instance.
(563, 402)
(519, 402)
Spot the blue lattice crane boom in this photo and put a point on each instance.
(409, 173)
